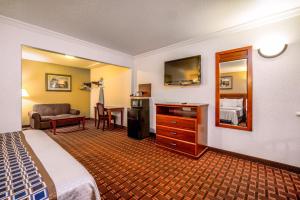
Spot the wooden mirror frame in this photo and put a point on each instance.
(231, 55)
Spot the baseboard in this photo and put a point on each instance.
(117, 125)
(152, 134)
(25, 126)
(122, 127)
(259, 160)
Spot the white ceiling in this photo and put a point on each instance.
(39, 55)
(138, 26)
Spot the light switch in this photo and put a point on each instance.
(298, 114)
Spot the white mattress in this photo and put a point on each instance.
(231, 114)
(72, 181)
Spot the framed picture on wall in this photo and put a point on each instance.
(58, 82)
(226, 82)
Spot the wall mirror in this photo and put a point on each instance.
(234, 89)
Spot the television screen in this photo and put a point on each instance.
(185, 71)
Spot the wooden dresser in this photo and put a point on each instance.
(182, 127)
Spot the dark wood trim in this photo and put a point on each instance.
(217, 112)
(249, 89)
(258, 160)
(230, 55)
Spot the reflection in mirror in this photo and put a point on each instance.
(234, 88)
(233, 92)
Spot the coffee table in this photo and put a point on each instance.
(54, 121)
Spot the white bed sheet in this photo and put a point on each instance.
(231, 114)
(72, 181)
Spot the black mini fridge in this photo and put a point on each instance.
(138, 118)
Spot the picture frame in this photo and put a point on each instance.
(226, 82)
(58, 82)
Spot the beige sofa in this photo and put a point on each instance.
(41, 115)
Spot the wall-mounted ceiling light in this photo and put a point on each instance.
(272, 47)
(69, 57)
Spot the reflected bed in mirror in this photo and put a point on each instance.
(234, 89)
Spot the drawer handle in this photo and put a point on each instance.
(173, 144)
(173, 122)
(173, 133)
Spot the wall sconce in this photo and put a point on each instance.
(272, 47)
(25, 93)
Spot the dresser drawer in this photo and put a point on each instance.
(179, 134)
(176, 145)
(176, 122)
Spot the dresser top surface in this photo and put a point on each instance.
(177, 104)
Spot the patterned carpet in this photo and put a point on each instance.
(125, 168)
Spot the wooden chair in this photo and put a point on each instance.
(102, 115)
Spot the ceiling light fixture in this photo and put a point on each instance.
(272, 47)
(69, 57)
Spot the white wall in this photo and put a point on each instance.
(276, 91)
(12, 35)
(117, 88)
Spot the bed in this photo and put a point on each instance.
(40, 169)
(232, 108)
(231, 114)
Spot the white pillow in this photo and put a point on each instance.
(239, 103)
(231, 103)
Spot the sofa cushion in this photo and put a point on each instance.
(48, 118)
(45, 118)
(52, 109)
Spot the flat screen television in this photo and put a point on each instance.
(185, 71)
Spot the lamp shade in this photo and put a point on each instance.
(272, 46)
(24, 93)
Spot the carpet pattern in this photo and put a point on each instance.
(125, 168)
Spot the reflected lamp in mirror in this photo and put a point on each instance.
(272, 47)
(25, 93)
(234, 89)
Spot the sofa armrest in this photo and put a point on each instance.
(74, 112)
(35, 119)
(34, 115)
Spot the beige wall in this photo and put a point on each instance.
(239, 80)
(117, 87)
(33, 80)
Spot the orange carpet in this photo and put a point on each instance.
(125, 168)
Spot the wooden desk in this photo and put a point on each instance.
(109, 110)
